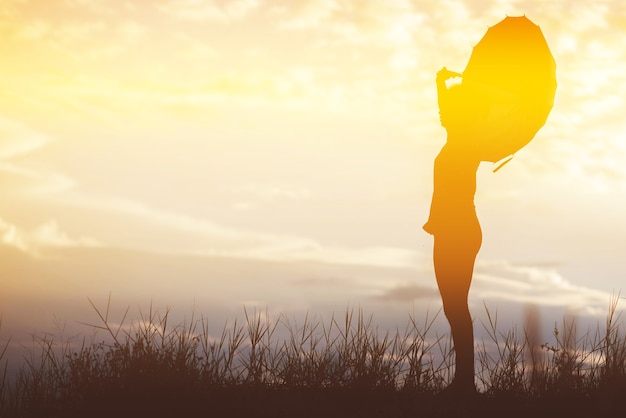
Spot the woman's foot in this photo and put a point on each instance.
(458, 389)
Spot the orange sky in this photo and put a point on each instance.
(280, 153)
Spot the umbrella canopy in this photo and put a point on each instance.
(513, 74)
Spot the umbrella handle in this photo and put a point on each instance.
(502, 164)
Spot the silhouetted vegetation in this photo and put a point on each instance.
(342, 367)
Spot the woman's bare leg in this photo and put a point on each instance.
(454, 265)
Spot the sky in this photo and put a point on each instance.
(210, 155)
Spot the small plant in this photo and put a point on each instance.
(4, 387)
(264, 362)
(504, 371)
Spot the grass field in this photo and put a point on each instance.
(339, 368)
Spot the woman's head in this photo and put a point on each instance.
(461, 107)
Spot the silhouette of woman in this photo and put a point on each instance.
(453, 221)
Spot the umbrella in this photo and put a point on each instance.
(513, 74)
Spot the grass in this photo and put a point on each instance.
(341, 367)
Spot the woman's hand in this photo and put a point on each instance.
(445, 74)
(442, 92)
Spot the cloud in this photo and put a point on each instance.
(534, 284)
(132, 31)
(19, 176)
(105, 98)
(19, 140)
(209, 10)
(24, 181)
(66, 36)
(34, 30)
(408, 293)
(194, 49)
(324, 282)
(11, 8)
(252, 195)
(161, 218)
(12, 236)
(81, 30)
(35, 241)
(49, 234)
(97, 7)
(502, 282)
(237, 241)
(387, 24)
(303, 249)
(306, 14)
(405, 59)
(340, 59)
(70, 34)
